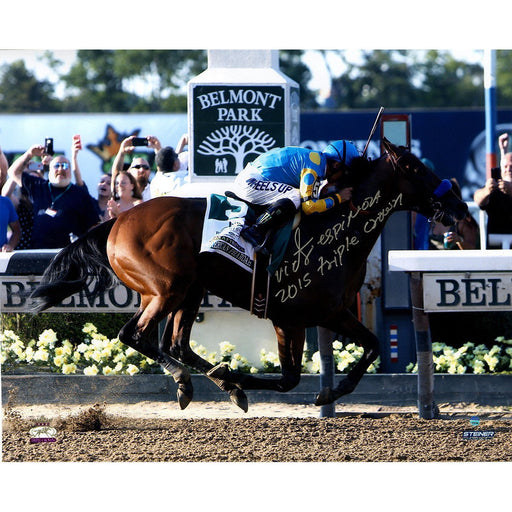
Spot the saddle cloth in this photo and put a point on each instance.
(224, 219)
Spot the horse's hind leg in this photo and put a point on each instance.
(176, 341)
(132, 336)
(291, 346)
(348, 325)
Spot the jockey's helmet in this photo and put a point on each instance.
(342, 151)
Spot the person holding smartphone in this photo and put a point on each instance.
(495, 197)
(139, 167)
(61, 209)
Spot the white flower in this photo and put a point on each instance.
(82, 348)
(47, 338)
(226, 348)
(478, 366)
(131, 369)
(91, 370)
(41, 355)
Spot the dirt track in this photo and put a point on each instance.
(274, 433)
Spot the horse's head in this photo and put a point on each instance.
(426, 192)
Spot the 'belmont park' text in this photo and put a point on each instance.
(251, 97)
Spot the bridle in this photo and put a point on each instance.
(434, 202)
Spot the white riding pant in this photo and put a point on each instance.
(251, 186)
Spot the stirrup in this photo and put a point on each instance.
(246, 234)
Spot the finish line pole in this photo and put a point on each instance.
(325, 339)
(426, 406)
(490, 110)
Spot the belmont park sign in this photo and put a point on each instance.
(232, 125)
(20, 274)
(468, 291)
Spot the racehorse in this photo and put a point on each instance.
(153, 249)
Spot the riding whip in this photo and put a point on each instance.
(379, 115)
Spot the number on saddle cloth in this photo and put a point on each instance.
(224, 218)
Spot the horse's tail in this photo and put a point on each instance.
(75, 267)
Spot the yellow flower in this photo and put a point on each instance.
(130, 352)
(492, 361)
(59, 360)
(107, 370)
(226, 348)
(89, 328)
(120, 358)
(69, 368)
(131, 369)
(478, 366)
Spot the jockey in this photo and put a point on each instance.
(289, 178)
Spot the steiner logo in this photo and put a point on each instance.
(478, 434)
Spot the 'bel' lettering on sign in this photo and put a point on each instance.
(470, 291)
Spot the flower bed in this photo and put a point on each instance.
(98, 355)
(471, 358)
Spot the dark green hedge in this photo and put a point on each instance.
(66, 325)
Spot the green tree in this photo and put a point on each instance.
(384, 77)
(94, 85)
(132, 80)
(408, 79)
(291, 64)
(21, 92)
(504, 78)
(448, 82)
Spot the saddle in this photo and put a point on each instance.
(224, 219)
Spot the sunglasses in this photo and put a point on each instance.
(139, 166)
(63, 165)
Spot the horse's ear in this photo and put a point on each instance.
(388, 146)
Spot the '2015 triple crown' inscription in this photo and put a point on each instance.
(334, 237)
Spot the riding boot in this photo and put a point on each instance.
(275, 216)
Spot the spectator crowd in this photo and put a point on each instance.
(46, 204)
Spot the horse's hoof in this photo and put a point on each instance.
(219, 372)
(325, 397)
(185, 394)
(239, 398)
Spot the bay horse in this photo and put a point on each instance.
(153, 249)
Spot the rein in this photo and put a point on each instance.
(443, 188)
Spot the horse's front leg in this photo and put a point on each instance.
(290, 346)
(346, 323)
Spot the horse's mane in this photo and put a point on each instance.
(360, 168)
